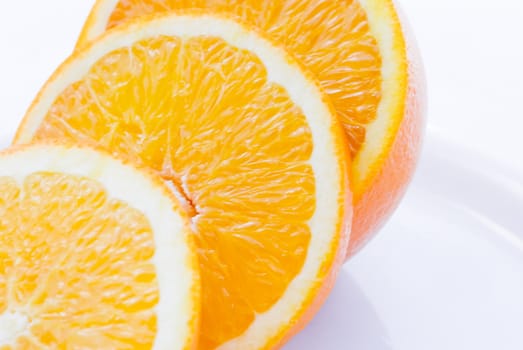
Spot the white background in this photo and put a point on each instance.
(473, 53)
(445, 273)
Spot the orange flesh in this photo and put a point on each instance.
(237, 147)
(76, 265)
(332, 38)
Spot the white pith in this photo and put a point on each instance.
(176, 277)
(12, 325)
(102, 13)
(381, 133)
(327, 157)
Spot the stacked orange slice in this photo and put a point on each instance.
(94, 254)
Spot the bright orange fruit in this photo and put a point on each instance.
(94, 254)
(245, 135)
(358, 51)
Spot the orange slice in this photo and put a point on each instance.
(248, 138)
(94, 254)
(358, 51)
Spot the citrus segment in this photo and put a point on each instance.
(247, 138)
(82, 266)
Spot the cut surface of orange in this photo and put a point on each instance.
(247, 137)
(358, 52)
(94, 254)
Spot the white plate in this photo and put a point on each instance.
(445, 273)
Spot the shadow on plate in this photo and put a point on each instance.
(346, 321)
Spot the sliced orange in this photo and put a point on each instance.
(245, 134)
(94, 254)
(358, 51)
